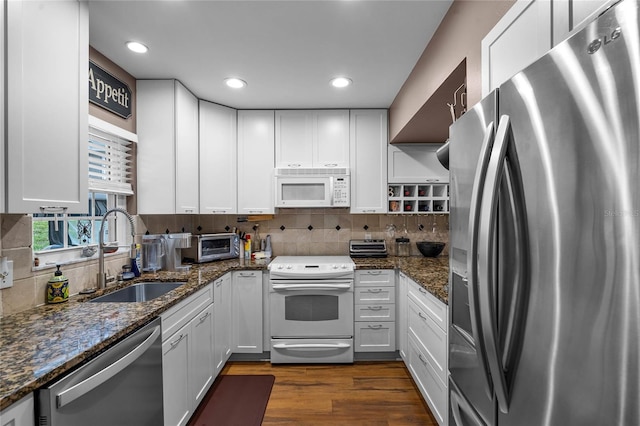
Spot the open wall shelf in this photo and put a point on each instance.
(419, 198)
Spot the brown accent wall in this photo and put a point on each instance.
(458, 37)
(101, 113)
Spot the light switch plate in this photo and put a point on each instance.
(6, 276)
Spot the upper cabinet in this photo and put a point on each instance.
(46, 62)
(415, 163)
(312, 138)
(526, 32)
(218, 159)
(256, 188)
(369, 137)
(167, 126)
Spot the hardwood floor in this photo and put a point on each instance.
(365, 393)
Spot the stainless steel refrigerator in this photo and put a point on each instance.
(545, 238)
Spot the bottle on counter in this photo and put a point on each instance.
(58, 288)
(247, 247)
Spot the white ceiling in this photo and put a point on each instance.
(287, 51)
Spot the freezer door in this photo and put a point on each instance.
(574, 126)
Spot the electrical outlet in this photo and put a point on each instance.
(367, 236)
(6, 275)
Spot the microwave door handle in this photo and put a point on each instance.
(331, 193)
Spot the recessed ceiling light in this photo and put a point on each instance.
(235, 83)
(340, 82)
(134, 46)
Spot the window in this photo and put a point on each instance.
(110, 159)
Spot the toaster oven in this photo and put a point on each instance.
(210, 247)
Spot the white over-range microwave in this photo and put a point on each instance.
(313, 187)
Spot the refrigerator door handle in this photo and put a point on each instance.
(472, 259)
(486, 246)
(460, 405)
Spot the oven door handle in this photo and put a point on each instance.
(311, 345)
(311, 286)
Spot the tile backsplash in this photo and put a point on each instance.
(293, 232)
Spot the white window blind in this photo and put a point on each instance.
(109, 163)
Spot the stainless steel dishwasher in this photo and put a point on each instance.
(122, 386)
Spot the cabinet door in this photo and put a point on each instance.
(156, 178)
(294, 138)
(19, 414)
(186, 150)
(331, 138)
(47, 58)
(175, 378)
(256, 187)
(218, 159)
(415, 163)
(222, 321)
(519, 38)
(202, 355)
(368, 161)
(402, 305)
(570, 14)
(247, 312)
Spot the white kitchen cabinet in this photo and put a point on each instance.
(218, 159)
(402, 316)
(312, 138)
(570, 14)
(519, 38)
(427, 349)
(369, 136)
(222, 321)
(3, 142)
(167, 126)
(415, 163)
(256, 187)
(187, 355)
(247, 312)
(375, 311)
(47, 54)
(20, 413)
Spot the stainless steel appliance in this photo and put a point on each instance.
(545, 238)
(121, 386)
(210, 247)
(313, 187)
(367, 248)
(311, 309)
(153, 251)
(174, 244)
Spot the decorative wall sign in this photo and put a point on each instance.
(108, 92)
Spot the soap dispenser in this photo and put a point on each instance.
(57, 288)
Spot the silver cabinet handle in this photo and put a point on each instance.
(374, 308)
(204, 317)
(374, 290)
(311, 345)
(374, 272)
(375, 327)
(113, 368)
(422, 359)
(421, 315)
(422, 290)
(178, 340)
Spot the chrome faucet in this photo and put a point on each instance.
(102, 276)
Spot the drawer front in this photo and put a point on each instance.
(433, 307)
(179, 315)
(375, 278)
(375, 336)
(368, 295)
(372, 312)
(431, 337)
(433, 390)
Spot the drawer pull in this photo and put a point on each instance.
(374, 290)
(178, 340)
(422, 290)
(374, 308)
(421, 315)
(375, 327)
(204, 317)
(374, 272)
(422, 359)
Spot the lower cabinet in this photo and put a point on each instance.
(247, 312)
(401, 318)
(19, 413)
(187, 361)
(222, 321)
(375, 311)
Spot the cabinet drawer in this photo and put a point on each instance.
(432, 306)
(375, 278)
(375, 336)
(368, 295)
(431, 337)
(433, 390)
(382, 312)
(182, 313)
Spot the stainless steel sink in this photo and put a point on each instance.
(142, 292)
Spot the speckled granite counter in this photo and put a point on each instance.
(42, 343)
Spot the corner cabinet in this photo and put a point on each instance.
(369, 136)
(218, 159)
(256, 187)
(47, 62)
(247, 312)
(167, 126)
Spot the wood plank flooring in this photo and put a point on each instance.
(363, 393)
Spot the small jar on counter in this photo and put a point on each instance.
(403, 247)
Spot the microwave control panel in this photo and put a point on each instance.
(341, 192)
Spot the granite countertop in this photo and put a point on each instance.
(44, 342)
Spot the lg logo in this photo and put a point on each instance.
(595, 45)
